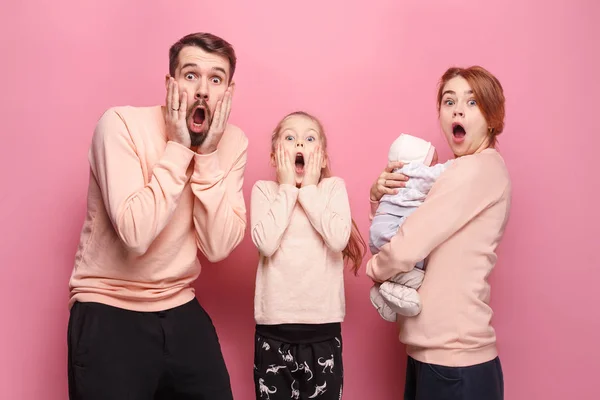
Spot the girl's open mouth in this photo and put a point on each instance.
(299, 162)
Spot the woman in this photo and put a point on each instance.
(451, 344)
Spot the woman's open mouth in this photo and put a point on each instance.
(299, 162)
(458, 131)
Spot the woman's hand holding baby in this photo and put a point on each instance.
(388, 182)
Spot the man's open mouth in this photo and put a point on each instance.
(458, 130)
(198, 118)
(299, 163)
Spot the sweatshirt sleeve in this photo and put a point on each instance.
(460, 194)
(270, 217)
(138, 210)
(328, 210)
(219, 208)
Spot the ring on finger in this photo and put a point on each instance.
(175, 109)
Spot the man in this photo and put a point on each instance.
(164, 182)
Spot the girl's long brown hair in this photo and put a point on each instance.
(356, 248)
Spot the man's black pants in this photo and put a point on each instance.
(118, 354)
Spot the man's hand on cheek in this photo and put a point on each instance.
(218, 123)
(176, 107)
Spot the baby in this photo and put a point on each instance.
(399, 294)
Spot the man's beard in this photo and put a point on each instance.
(198, 138)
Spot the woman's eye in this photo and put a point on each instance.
(472, 103)
(449, 102)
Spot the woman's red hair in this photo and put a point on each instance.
(488, 93)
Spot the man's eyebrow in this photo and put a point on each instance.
(193, 65)
(220, 70)
(189, 65)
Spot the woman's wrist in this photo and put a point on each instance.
(373, 195)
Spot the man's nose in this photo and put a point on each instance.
(202, 91)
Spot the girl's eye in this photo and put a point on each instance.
(289, 137)
(310, 139)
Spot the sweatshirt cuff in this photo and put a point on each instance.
(178, 155)
(370, 272)
(308, 191)
(307, 196)
(207, 167)
(289, 189)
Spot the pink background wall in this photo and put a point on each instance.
(369, 69)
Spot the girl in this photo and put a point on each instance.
(302, 227)
(451, 344)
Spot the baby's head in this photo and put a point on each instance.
(407, 148)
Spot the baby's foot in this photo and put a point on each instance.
(401, 299)
(380, 304)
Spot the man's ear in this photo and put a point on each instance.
(167, 78)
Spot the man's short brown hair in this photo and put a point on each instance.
(207, 42)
